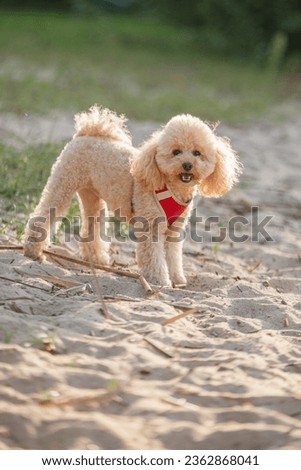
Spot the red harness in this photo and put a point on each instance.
(171, 207)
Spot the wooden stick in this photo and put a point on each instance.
(101, 267)
(103, 397)
(11, 247)
(108, 269)
(178, 317)
(15, 281)
(158, 347)
(253, 266)
(119, 298)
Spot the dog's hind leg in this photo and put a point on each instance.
(93, 244)
(54, 203)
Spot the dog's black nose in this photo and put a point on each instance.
(187, 166)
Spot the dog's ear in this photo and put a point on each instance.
(144, 168)
(226, 171)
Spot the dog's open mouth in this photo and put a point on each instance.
(186, 177)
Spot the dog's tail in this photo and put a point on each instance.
(102, 122)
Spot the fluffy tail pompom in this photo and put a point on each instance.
(102, 122)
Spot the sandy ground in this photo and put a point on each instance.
(226, 376)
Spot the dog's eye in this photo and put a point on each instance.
(176, 152)
(196, 153)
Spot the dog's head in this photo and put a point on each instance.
(185, 153)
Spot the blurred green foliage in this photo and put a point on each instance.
(244, 28)
(146, 69)
(241, 27)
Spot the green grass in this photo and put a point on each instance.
(136, 66)
(23, 175)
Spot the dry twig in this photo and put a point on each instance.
(253, 266)
(15, 281)
(158, 347)
(11, 247)
(119, 272)
(179, 316)
(100, 398)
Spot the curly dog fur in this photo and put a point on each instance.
(105, 170)
(95, 165)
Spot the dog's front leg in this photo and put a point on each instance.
(151, 259)
(174, 254)
(174, 259)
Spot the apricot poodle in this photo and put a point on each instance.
(152, 187)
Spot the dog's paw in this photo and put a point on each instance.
(103, 259)
(160, 281)
(41, 258)
(94, 256)
(179, 281)
(31, 251)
